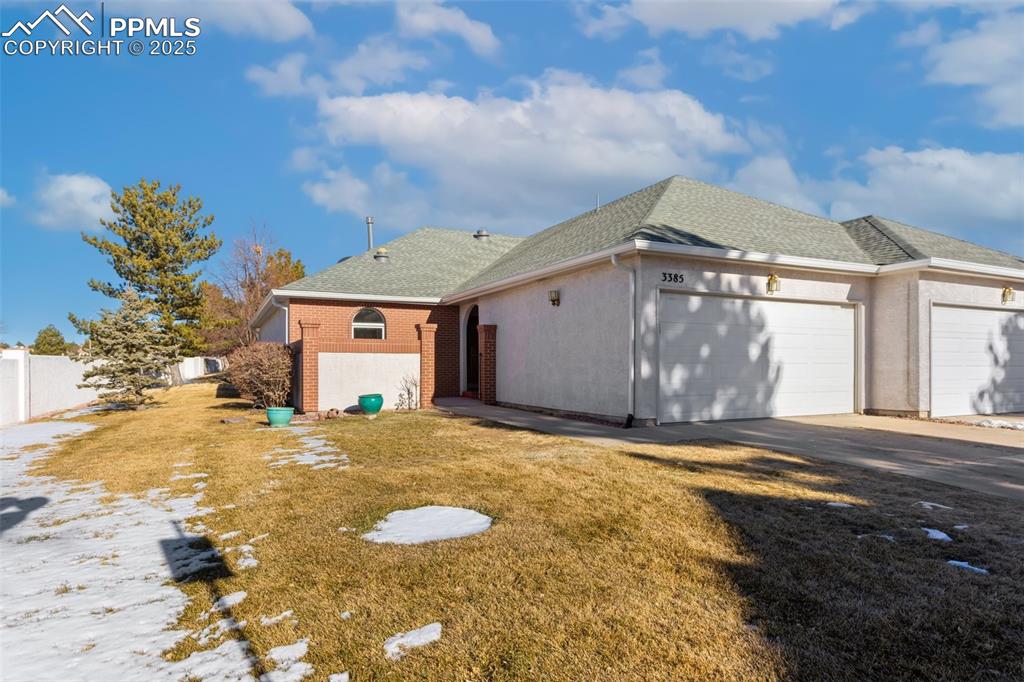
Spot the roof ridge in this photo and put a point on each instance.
(903, 246)
(597, 209)
(947, 236)
(469, 231)
(751, 196)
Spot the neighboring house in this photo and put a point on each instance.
(680, 302)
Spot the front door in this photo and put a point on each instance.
(472, 351)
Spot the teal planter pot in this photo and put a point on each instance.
(371, 403)
(280, 416)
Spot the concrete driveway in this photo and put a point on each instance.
(977, 458)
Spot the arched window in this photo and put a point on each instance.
(368, 324)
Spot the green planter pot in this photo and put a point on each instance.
(371, 403)
(280, 416)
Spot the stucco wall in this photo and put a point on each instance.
(53, 384)
(936, 288)
(717, 277)
(892, 344)
(573, 357)
(274, 327)
(346, 376)
(12, 407)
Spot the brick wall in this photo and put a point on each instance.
(401, 322)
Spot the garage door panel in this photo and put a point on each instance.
(977, 361)
(733, 358)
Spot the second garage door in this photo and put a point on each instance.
(977, 361)
(736, 358)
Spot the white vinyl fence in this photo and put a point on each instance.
(35, 385)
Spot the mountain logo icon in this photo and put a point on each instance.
(54, 17)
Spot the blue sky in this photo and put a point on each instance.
(304, 117)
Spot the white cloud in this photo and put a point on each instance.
(736, 64)
(772, 178)
(6, 198)
(274, 20)
(425, 19)
(926, 33)
(304, 159)
(72, 201)
(989, 57)
(503, 161)
(377, 61)
(285, 78)
(756, 19)
(848, 13)
(340, 190)
(647, 74)
(936, 188)
(975, 196)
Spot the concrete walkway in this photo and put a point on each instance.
(977, 458)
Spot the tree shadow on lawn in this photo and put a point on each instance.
(194, 558)
(22, 508)
(839, 598)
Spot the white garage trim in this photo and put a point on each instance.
(945, 399)
(855, 348)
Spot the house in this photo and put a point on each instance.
(680, 302)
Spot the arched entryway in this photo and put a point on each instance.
(472, 351)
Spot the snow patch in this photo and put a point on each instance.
(930, 506)
(345, 615)
(183, 477)
(229, 535)
(426, 524)
(268, 621)
(1001, 424)
(966, 566)
(125, 617)
(224, 603)
(218, 629)
(289, 667)
(91, 409)
(839, 505)
(934, 534)
(396, 646)
(338, 677)
(961, 526)
(315, 452)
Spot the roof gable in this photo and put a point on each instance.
(919, 243)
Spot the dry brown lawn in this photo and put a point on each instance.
(656, 562)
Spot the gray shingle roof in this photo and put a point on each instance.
(434, 262)
(427, 263)
(679, 210)
(917, 243)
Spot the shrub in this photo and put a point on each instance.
(262, 373)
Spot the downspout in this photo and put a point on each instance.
(632, 337)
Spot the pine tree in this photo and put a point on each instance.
(49, 341)
(129, 351)
(159, 240)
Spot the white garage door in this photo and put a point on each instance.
(737, 358)
(977, 361)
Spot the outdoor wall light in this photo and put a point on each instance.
(555, 297)
(774, 285)
(1008, 295)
